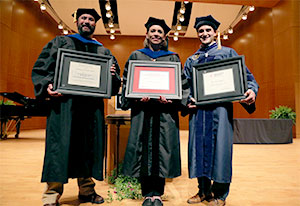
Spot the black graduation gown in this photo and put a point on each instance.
(75, 124)
(153, 146)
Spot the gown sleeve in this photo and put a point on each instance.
(126, 103)
(44, 68)
(116, 79)
(252, 84)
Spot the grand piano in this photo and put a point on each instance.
(12, 115)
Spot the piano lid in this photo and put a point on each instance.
(17, 97)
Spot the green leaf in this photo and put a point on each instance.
(283, 112)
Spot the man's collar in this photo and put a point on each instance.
(85, 40)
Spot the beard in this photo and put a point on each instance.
(85, 33)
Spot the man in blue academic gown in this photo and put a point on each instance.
(211, 126)
(75, 124)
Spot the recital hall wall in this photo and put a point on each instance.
(25, 30)
(269, 39)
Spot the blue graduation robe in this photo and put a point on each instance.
(211, 126)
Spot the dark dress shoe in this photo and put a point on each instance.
(147, 202)
(93, 198)
(157, 202)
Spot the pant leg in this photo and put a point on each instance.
(158, 186)
(220, 190)
(86, 186)
(146, 186)
(52, 192)
(204, 185)
(152, 186)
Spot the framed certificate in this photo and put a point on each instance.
(220, 81)
(154, 79)
(82, 73)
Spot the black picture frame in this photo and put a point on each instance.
(170, 70)
(203, 74)
(102, 81)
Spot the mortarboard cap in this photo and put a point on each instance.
(81, 11)
(206, 20)
(154, 21)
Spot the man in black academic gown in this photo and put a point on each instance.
(75, 124)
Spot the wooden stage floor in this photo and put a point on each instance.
(263, 175)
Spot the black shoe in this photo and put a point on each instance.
(93, 198)
(157, 202)
(147, 202)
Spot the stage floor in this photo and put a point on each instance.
(263, 175)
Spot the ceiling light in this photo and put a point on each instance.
(181, 18)
(109, 14)
(244, 17)
(110, 24)
(60, 26)
(175, 38)
(107, 6)
(112, 31)
(182, 10)
(186, 2)
(176, 33)
(65, 31)
(36, 0)
(179, 27)
(112, 37)
(225, 36)
(251, 8)
(43, 7)
(230, 30)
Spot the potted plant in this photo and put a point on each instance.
(123, 187)
(284, 112)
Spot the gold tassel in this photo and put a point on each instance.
(75, 17)
(219, 41)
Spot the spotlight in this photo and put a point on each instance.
(43, 7)
(60, 26)
(107, 6)
(182, 10)
(181, 18)
(179, 27)
(110, 24)
(109, 14)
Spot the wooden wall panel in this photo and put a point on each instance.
(254, 39)
(25, 30)
(270, 41)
